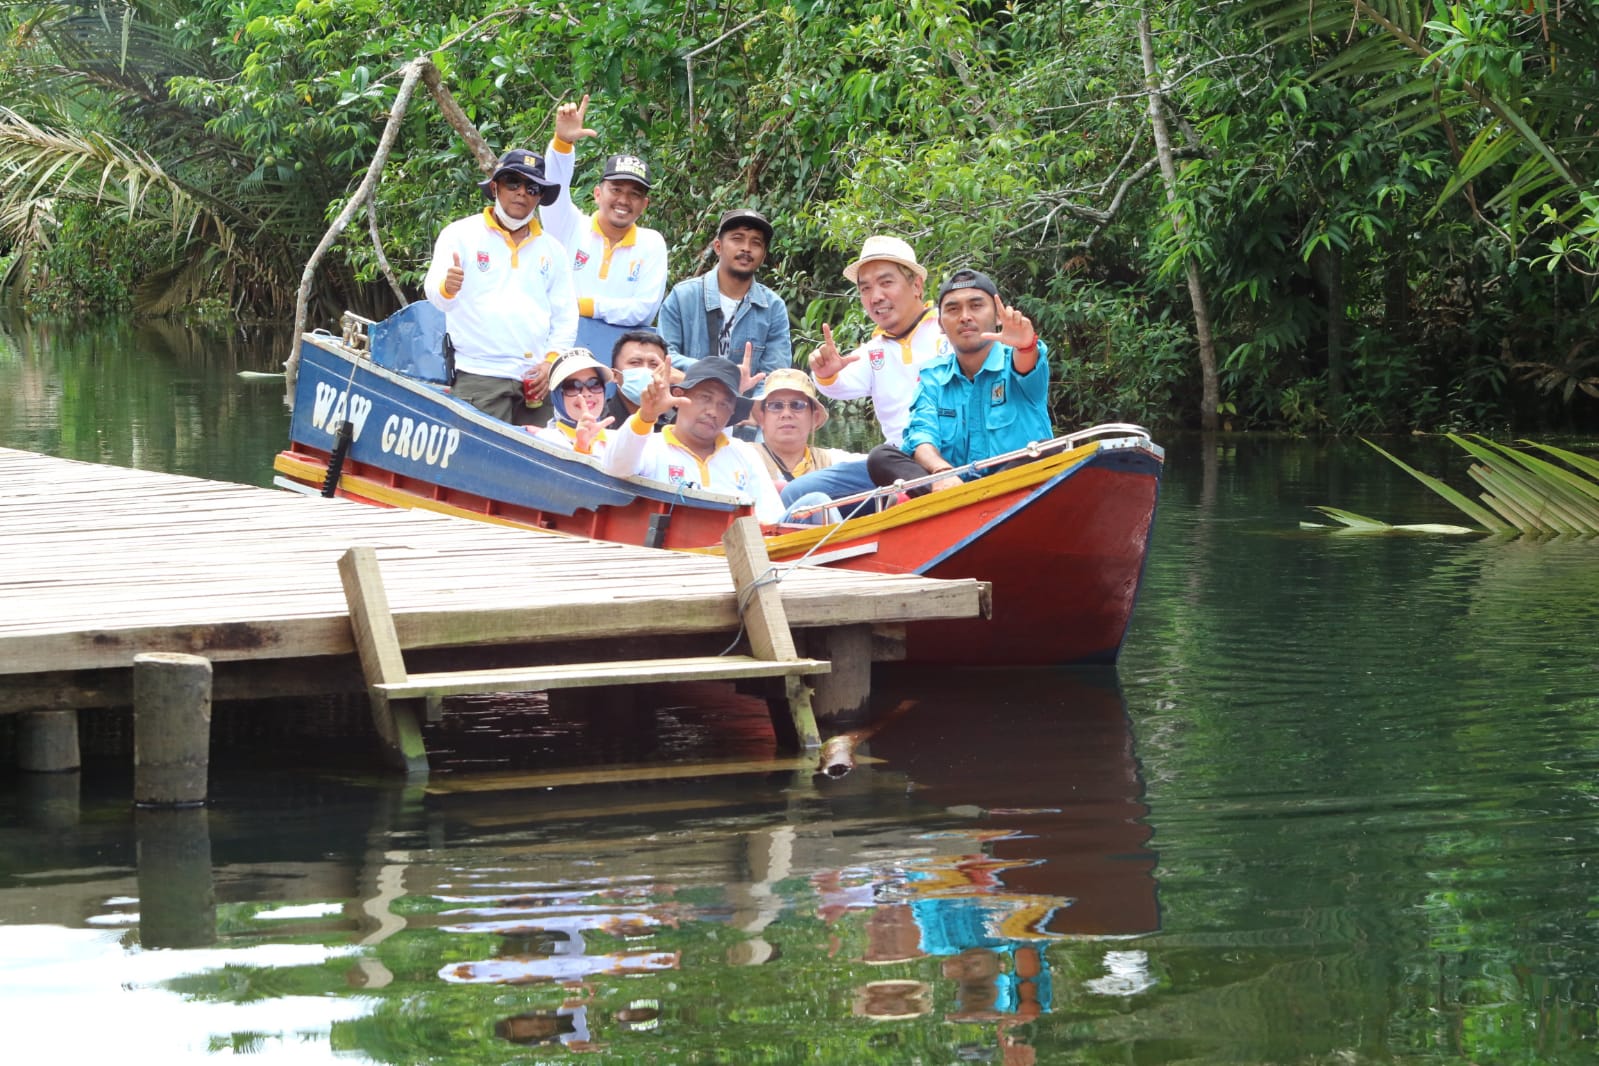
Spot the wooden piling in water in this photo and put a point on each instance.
(47, 742)
(171, 729)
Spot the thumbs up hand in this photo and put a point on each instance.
(454, 277)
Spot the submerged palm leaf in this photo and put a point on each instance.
(1522, 493)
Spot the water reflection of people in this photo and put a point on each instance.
(567, 1025)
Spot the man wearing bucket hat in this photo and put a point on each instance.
(505, 288)
(725, 312)
(618, 266)
(906, 336)
(986, 395)
(694, 451)
(578, 387)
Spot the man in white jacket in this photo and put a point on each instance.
(505, 288)
(694, 452)
(618, 267)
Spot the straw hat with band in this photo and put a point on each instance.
(888, 250)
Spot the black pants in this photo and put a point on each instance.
(886, 464)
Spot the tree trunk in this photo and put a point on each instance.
(1210, 398)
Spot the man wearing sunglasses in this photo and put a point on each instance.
(505, 288)
(618, 266)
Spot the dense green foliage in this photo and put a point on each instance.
(1393, 230)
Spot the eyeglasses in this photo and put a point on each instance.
(513, 182)
(572, 388)
(786, 405)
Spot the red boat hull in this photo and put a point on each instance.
(1064, 557)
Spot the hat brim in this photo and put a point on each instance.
(852, 272)
(549, 191)
(822, 413)
(634, 178)
(742, 405)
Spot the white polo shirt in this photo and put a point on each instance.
(621, 283)
(516, 302)
(887, 371)
(734, 468)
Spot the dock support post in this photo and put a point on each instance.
(171, 729)
(847, 689)
(765, 620)
(47, 742)
(381, 660)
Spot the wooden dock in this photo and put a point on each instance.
(99, 564)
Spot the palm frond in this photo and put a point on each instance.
(1521, 492)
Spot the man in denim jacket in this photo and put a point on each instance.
(725, 311)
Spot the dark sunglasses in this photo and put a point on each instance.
(513, 182)
(571, 388)
(786, 405)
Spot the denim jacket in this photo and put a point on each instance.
(761, 319)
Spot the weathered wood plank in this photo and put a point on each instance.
(381, 661)
(595, 675)
(98, 564)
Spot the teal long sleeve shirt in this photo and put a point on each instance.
(994, 412)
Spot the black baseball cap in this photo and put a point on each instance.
(744, 218)
(966, 278)
(624, 167)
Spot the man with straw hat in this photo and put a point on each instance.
(906, 336)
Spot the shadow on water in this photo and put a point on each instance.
(955, 896)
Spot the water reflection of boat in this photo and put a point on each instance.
(1061, 536)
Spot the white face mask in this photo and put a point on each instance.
(511, 222)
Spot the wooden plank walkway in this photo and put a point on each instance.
(99, 564)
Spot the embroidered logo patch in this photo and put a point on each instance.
(877, 357)
(674, 474)
(634, 270)
(544, 265)
(997, 397)
(483, 260)
(579, 259)
(741, 479)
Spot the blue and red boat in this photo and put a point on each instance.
(1062, 537)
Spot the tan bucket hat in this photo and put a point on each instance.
(792, 379)
(889, 249)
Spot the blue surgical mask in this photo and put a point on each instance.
(635, 379)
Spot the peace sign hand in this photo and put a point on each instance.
(589, 431)
(746, 380)
(657, 398)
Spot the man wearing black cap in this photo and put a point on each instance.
(986, 394)
(618, 266)
(725, 312)
(505, 288)
(694, 452)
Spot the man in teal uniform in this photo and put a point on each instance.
(986, 394)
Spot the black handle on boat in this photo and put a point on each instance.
(341, 448)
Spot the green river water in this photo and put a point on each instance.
(1337, 805)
